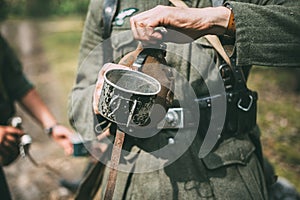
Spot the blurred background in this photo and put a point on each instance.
(45, 34)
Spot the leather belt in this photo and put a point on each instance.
(177, 118)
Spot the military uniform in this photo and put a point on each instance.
(13, 86)
(232, 169)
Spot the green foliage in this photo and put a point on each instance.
(278, 118)
(61, 47)
(67, 7)
(45, 8)
(3, 9)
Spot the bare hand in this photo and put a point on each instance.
(62, 136)
(9, 144)
(183, 24)
(97, 93)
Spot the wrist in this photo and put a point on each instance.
(230, 29)
(219, 20)
(49, 129)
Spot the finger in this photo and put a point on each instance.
(103, 135)
(110, 66)
(96, 95)
(14, 131)
(156, 36)
(147, 34)
(13, 138)
(138, 28)
(143, 32)
(62, 136)
(10, 141)
(65, 143)
(67, 146)
(133, 27)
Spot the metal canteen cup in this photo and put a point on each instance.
(127, 97)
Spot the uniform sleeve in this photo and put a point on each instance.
(90, 61)
(267, 35)
(16, 83)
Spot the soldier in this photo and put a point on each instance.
(183, 169)
(15, 87)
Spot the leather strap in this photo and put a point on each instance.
(115, 158)
(215, 42)
(212, 39)
(238, 75)
(108, 13)
(178, 3)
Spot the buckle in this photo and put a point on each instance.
(174, 119)
(246, 109)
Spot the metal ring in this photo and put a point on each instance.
(249, 106)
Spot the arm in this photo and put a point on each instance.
(19, 88)
(39, 111)
(265, 34)
(183, 24)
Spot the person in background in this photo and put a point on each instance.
(15, 87)
(259, 33)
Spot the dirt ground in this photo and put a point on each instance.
(26, 181)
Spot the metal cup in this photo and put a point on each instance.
(127, 97)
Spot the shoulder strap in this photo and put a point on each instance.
(108, 13)
(212, 39)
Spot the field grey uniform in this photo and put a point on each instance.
(265, 35)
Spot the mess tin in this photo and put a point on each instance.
(127, 97)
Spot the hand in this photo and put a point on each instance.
(9, 144)
(62, 136)
(105, 124)
(183, 24)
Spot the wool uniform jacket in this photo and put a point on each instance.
(267, 33)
